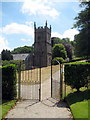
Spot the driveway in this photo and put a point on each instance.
(49, 108)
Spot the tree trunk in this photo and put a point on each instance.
(78, 90)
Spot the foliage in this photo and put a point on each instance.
(69, 45)
(78, 103)
(77, 74)
(65, 40)
(9, 82)
(69, 50)
(83, 24)
(25, 49)
(16, 62)
(56, 40)
(59, 51)
(6, 106)
(60, 59)
(6, 55)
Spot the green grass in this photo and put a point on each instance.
(6, 106)
(80, 109)
(79, 104)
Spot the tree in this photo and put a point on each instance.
(69, 50)
(69, 45)
(24, 49)
(59, 51)
(66, 40)
(6, 55)
(82, 40)
(56, 40)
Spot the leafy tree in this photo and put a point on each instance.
(6, 55)
(69, 45)
(73, 44)
(59, 51)
(82, 40)
(66, 40)
(56, 40)
(25, 49)
(69, 50)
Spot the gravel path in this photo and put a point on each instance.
(49, 108)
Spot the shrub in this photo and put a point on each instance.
(59, 51)
(77, 74)
(6, 55)
(9, 82)
(60, 59)
(16, 62)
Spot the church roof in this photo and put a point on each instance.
(20, 56)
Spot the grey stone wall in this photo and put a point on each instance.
(42, 46)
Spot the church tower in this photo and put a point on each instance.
(42, 46)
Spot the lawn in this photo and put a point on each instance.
(79, 104)
(6, 106)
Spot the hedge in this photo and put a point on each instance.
(77, 75)
(9, 82)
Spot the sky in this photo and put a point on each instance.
(17, 20)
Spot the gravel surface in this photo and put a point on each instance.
(49, 108)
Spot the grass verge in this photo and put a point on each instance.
(79, 103)
(6, 106)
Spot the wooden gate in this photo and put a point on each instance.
(29, 82)
(56, 81)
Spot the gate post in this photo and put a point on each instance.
(64, 81)
(40, 84)
(51, 78)
(60, 81)
(19, 81)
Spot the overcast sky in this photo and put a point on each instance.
(16, 25)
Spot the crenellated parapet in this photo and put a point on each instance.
(41, 27)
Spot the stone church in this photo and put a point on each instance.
(42, 55)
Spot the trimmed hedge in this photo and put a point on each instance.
(9, 82)
(77, 75)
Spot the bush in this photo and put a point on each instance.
(16, 62)
(60, 59)
(6, 55)
(59, 51)
(9, 82)
(77, 74)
